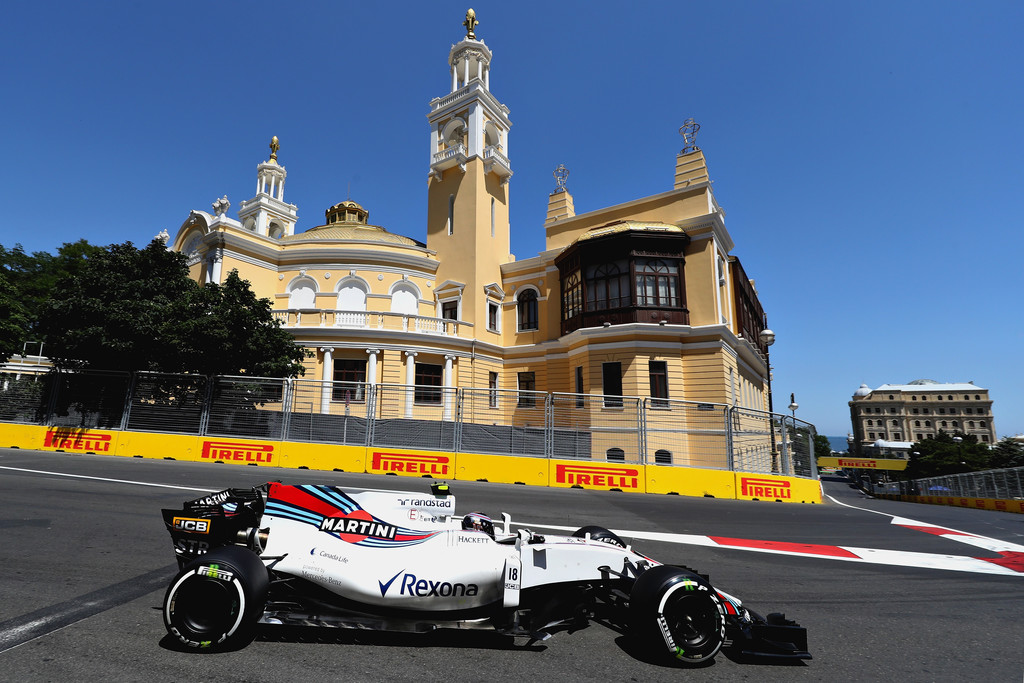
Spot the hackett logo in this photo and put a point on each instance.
(97, 443)
(765, 488)
(843, 462)
(435, 465)
(583, 475)
(245, 452)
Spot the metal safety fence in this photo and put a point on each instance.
(1006, 484)
(472, 420)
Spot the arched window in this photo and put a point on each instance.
(527, 304)
(662, 457)
(404, 299)
(657, 283)
(276, 230)
(616, 455)
(351, 304)
(302, 293)
(608, 286)
(572, 296)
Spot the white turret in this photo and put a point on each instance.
(267, 213)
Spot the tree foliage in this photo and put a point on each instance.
(137, 309)
(941, 455)
(14, 320)
(822, 446)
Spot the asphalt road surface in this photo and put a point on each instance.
(85, 563)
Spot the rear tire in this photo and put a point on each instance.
(215, 601)
(599, 533)
(677, 614)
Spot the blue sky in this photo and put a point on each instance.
(867, 154)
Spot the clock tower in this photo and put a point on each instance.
(467, 216)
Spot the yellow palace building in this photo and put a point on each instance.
(641, 299)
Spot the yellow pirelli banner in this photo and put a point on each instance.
(691, 481)
(409, 463)
(21, 436)
(159, 446)
(322, 456)
(505, 469)
(774, 487)
(77, 440)
(239, 451)
(602, 476)
(864, 463)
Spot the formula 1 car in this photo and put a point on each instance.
(315, 555)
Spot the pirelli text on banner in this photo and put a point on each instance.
(240, 452)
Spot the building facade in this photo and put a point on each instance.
(643, 298)
(906, 413)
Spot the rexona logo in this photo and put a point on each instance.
(862, 464)
(195, 526)
(78, 441)
(357, 526)
(434, 465)
(244, 452)
(590, 475)
(765, 488)
(426, 588)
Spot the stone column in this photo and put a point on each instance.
(371, 370)
(449, 393)
(410, 381)
(327, 378)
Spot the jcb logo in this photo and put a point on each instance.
(195, 526)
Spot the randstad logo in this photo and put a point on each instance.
(765, 488)
(424, 588)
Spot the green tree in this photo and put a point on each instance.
(942, 455)
(137, 309)
(822, 446)
(14, 320)
(1007, 453)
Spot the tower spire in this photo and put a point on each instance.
(470, 23)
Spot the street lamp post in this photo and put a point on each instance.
(793, 405)
(767, 338)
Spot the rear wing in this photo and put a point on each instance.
(224, 518)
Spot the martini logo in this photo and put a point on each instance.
(591, 475)
(242, 452)
(77, 441)
(765, 488)
(862, 464)
(195, 526)
(431, 465)
(357, 526)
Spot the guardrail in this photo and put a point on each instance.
(613, 429)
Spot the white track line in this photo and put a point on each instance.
(116, 481)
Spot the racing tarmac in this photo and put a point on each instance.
(86, 561)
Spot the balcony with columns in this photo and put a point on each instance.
(496, 162)
(297, 318)
(449, 158)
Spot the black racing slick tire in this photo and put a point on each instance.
(599, 533)
(215, 601)
(677, 615)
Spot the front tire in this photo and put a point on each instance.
(216, 599)
(677, 614)
(599, 533)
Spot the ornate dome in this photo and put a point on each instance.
(347, 221)
(863, 390)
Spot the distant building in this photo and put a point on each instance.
(905, 413)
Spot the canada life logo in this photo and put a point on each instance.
(765, 488)
(242, 452)
(80, 441)
(592, 475)
(433, 465)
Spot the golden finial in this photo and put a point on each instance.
(470, 23)
(274, 146)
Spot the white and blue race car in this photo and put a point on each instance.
(316, 555)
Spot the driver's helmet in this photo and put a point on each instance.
(479, 522)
